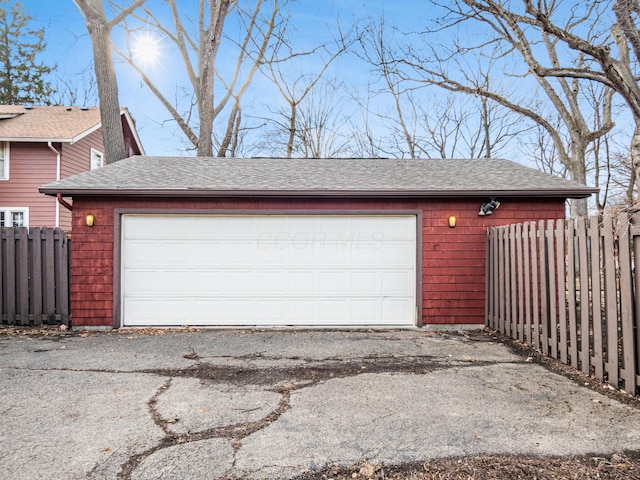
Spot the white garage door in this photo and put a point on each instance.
(244, 270)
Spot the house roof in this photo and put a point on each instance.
(19, 123)
(204, 176)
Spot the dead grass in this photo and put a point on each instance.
(493, 467)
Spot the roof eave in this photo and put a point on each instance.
(188, 192)
(124, 112)
(36, 139)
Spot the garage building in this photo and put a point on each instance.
(173, 241)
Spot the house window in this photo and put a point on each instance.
(97, 159)
(4, 160)
(14, 216)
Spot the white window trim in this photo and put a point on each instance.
(95, 152)
(8, 210)
(4, 176)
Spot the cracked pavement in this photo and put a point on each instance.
(275, 404)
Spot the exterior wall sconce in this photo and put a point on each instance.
(90, 219)
(452, 221)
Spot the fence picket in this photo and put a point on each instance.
(48, 271)
(62, 277)
(572, 301)
(512, 277)
(552, 323)
(527, 283)
(35, 284)
(501, 279)
(34, 280)
(611, 302)
(626, 306)
(571, 291)
(583, 269)
(544, 297)
(10, 276)
(520, 281)
(596, 296)
(22, 275)
(561, 270)
(535, 286)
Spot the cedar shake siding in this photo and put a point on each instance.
(452, 260)
(30, 165)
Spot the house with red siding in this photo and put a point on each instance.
(42, 144)
(169, 241)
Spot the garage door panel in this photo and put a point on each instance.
(365, 282)
(302, 282)
(397, 282)
(268, 270)
(397, 253)
(208, 253)
(207, 281)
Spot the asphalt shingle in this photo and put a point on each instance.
(193, 176)
(46, 122)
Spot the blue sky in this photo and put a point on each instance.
(68, 46)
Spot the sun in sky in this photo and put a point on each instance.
(146, 49)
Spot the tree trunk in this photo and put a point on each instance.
(635, 154)
(578, 207)
(113, 138)
(292, 129)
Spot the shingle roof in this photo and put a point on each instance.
(203, 176)
(19, 123)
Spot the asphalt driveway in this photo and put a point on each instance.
(275, 404)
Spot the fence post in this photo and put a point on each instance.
(36, 275)
(552, 319)
(527, 283)
(561, 269)
(520, 275)
(635, 239)
(488, 278)
(62, 278)
(596, 296)
(611, 302)
(626, 306)
(585, 354)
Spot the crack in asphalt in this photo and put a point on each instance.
(297, 378)
(235, 432)
(278, 379)
(330, 368)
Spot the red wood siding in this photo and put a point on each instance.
(30, 165)
(452, 259)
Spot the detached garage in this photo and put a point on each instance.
(166, 241)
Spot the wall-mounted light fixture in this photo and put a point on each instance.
(487, 208)
(452, 221)
(90, 219)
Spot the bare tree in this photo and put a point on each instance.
(80, 89)
(198, 48)
(295, 88)
(99, 29)
(433, 125)
(322, 128)
(610, 60)
(510, 36)
(322, 124)
(376, 49)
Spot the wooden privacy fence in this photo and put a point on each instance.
(570, 290)
(34, 276)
